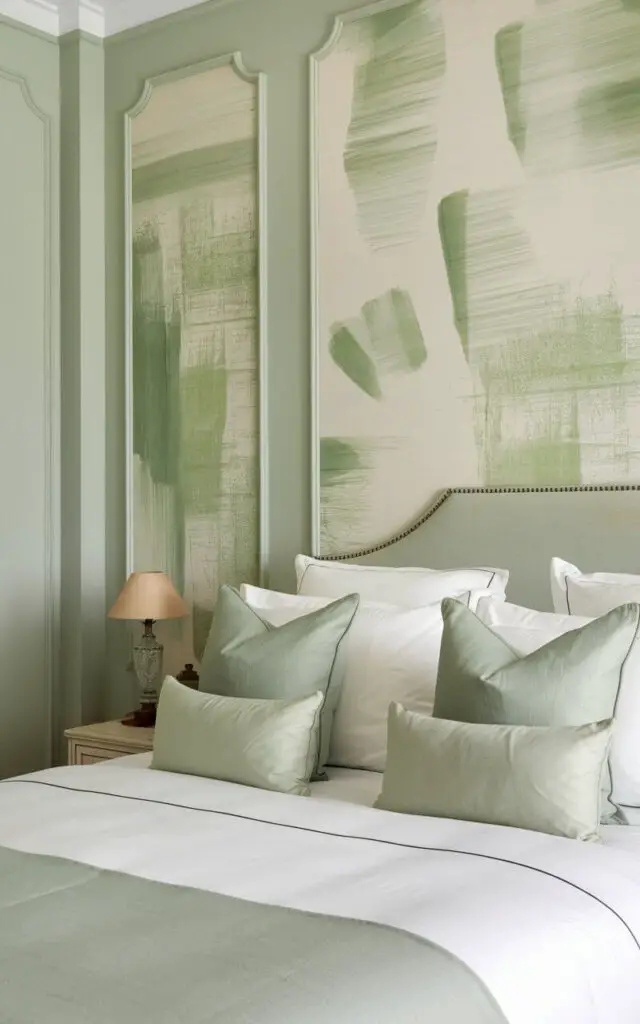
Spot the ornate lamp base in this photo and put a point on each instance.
(147, 665)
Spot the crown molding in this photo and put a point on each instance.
(81, 15)
(39, 14)
(105, 18)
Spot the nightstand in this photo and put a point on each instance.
(89, 744)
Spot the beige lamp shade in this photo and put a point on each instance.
(149, 595)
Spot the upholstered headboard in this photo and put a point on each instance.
(520, 529)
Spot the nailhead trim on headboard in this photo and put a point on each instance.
(439, 502)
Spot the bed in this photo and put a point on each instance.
(138, 895)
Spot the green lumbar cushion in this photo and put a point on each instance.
(573, 680)
(270, 744)
(248, 657)
(547, 780)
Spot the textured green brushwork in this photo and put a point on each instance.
(385, 341)
(156, 383)
(347, 353)
(610, 120)
(394, 330)
(346, 468)
(391, 141)
(195, 345)
(186, 171)
(590, 120)
(544, 364)
(508, 49)
(452, 223)
(337, 459)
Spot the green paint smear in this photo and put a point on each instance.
(508, 52)
(582, 350)
(610, 119)
(391, 141)
(569, 77)
(346, 468)
(156, 384)
(394, 332)
(390, 330)
(204, 394)
(452, 223)
(347, 353)
(185, 171)
(338, 458)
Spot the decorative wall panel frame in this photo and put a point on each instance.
(534, 346)
(235, 62)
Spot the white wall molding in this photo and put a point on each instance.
(104, 18)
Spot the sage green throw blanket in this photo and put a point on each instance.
(83, 946)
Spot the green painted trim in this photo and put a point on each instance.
(51, 398)
(77, 35)
(29, 30)
(169, 20)
(236, 61)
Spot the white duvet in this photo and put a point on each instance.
(550, 925)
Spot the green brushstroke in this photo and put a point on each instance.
(508, 53)
(347, 353)
(394, 331)
(391, 141)
(185, 171)
(452, 223)
(156, 385)
(610, 120)
(386, 340)
(338, 458)
(569, 78)
(204, 396)
(346, 468)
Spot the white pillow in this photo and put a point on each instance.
(391, 654)
(578, 593)
(408, 588)
(526, 630)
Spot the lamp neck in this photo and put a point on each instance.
(148, 627)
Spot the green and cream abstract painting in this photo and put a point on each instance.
(194, 468)
(477, 189)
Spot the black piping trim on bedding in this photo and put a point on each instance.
(334, 835)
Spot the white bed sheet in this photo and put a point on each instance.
(551, 926)
(360, 787)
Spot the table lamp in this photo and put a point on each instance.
(148, 597)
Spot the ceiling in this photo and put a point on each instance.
(103, 18)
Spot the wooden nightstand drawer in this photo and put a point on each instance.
(90, 744)
(79, 754)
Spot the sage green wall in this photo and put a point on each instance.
(29, 396)
(275, 37)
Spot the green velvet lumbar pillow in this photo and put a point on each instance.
(269, 744)
(573, 680)
(546, 780)
(246, 656)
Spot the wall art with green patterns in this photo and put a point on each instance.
(476, 184)
(194, 351)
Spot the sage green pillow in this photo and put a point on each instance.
(246, 656)
(270, 744)
(546, 780)
(573, 680)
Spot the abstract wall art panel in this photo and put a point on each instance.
(195, 338)
(476, 264)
